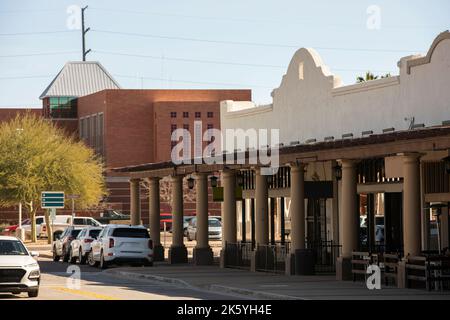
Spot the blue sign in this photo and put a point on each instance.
(52, 199)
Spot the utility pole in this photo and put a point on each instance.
(83, 34)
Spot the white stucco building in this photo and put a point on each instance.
(311, 103)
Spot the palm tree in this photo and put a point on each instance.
(370, 76)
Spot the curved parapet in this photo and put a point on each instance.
(417, 61)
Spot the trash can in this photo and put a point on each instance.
(304, 261)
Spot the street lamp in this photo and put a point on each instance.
(338, 172)
(213, 180)
(190, 182)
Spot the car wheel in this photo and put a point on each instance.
(55, 256)
(72, 259)
(65, 255)
(82, 258)
(91, 260)
(33, 293)
(103, 264)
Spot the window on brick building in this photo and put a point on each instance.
(186, 126)
(173, 114)
(185, 114)
(210, 114)
(173, 127)
(210, 126)
(198, 114)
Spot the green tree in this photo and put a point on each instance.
(37, 156)
(370, 76)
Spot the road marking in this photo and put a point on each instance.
(86, 293)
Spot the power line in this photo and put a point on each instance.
(259, 44)
(37, 54)
(193, 82)
(34, 33)
(188, 60)
(217, 62)
(265, 20)
(25, 77)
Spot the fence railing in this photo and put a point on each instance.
(325, 253)
(238, 255)
(272, 258)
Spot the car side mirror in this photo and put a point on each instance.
(34, 253)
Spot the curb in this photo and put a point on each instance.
(251, 293)
(218, 289)
(133, 275)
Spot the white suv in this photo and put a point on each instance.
(122, 244)
(19, 271)
(81, 245)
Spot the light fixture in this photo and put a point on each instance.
(213, 180)
(338, 172)
(447, 164)
(190, 182)
(240, 179)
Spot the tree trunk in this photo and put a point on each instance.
(33, 222)
(49, 227)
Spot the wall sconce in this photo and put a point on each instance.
(190, 182)
(213, 180)
(337, 172)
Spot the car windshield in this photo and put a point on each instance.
(12, 248)
(214, 223)
(130, 233)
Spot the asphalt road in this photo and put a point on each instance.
(59, 283)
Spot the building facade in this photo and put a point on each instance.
(363, 168)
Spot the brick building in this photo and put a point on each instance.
(126, 127)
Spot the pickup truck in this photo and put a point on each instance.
(59, 227)
(112, 215)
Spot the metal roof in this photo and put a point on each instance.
(80, 78)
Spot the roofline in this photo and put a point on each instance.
(373, 139)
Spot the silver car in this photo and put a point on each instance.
(214, 229)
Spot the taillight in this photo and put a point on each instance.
(111, 242)
(70, 238)
(88, 240)
(44, 228)
(150, 244)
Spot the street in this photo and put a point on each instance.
(96, 285)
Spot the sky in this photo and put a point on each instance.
(202, 44)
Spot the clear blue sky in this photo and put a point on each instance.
(275, 29)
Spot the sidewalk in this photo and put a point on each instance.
(259, 285)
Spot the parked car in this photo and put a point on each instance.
(109, 215)
(19, 271)
(61, 245)
(186, 220)
(122, 244)
(39, 221)
(81, 245)
(59, 227)
(214, 229)
(12, 229)
(167, 218)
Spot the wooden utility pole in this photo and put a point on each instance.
(83, 35)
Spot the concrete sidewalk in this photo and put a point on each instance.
(259, 285)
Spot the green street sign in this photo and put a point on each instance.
(52, 199)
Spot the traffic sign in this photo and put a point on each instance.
(52, 199)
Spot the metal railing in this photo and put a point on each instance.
(238, 255)
(272, 258)
(325, 253)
